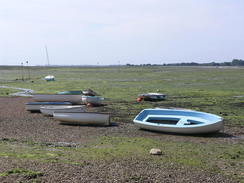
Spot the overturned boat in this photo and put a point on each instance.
(74, 99)
(92, 100)
(83, 118)
(49, 110)
(35, 106)
(181, 121)
(152, 96)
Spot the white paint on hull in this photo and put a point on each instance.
(49, 110)
(92, 99)
(190, 130)
(37, 107)
(84, 118)
(178, 121)
(75, 99)
(49, 78)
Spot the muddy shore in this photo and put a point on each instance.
(20, 125)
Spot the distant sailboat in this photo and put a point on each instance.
(48, 77)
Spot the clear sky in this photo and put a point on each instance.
(88, 32)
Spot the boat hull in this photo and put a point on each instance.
(74, 99)
(83, 118)
(49, 110)
(153, 96)
(77, 92)
(190, 130)
(178, 121)
(35, 106)
(49, 78)
(92, 100)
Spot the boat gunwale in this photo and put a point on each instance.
(175, 126)
(87, 112)
(50, 103)
(50, 107)
(97, 97)
(55, 94)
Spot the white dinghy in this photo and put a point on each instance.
(74, 99)
(178, 121)
(49, 78)
(152, 96)
(83, 118)
(49, 110)
(35, 106)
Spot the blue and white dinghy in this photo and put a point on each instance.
(182, 121)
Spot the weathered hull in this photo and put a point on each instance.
(83, 118)
(49, 110)
(74, 99)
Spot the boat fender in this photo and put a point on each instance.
(139, 99)
(89, 105)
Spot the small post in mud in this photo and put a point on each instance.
(28, 69)
(22, 71)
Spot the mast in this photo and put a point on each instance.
(47, 55)
(22, 71)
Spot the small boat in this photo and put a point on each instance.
(92, 99)
(70, 93)
(89, 92)
(82, 118)
(35, 106)
(74, 99)
(178, 121)
(152, 96)
(49, 78)
(49, 110)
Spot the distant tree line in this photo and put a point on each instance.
(234, 62)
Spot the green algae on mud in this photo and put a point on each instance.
(208, 89)
(212, 157)
(28, 173)
(205, 89)
(6, 91)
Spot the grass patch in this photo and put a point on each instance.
(222, 158)
(214, 90)
(6, 91)
(205, 89)
(27, 173)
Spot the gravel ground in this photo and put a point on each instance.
(126, 170)
(16, 123)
